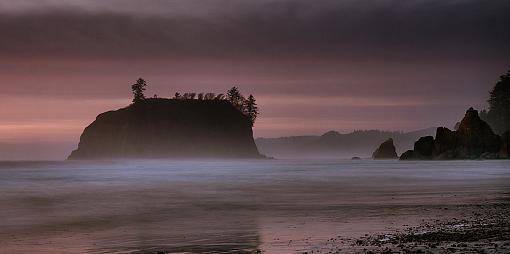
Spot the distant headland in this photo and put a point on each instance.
(190, 125)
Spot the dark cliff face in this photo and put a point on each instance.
(167, 128)
(473, 139)
(476, 135)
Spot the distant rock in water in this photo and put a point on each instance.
(359, 143)
(385, 151)
(169, 128)
(473, 139)
(355, 158)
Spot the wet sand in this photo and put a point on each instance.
(481, 228)
(251, 206)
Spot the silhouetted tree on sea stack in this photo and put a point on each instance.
(498, 115)
(251, 109)
(138, 88)
(189, 96)
(236, 98)
(209, 96)
(247, 107)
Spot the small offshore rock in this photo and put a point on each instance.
(386, 150)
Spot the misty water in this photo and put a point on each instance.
(276, 206)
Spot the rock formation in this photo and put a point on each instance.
(408, 155)
(504, 152)
(473, 139)
(385, 151)
(359, 143)
(424, 147)
(169, 128)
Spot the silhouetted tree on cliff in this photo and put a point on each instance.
(209, 96)
(236, 98)
(498, 115)
(247, 107)
(251, 109)
(138, 88)
(189, 96)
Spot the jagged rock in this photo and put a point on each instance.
(473, 139)
(446, 140)
(448, 155)
(424, 147)
(385, 151)
(476, 136)
(407, 155)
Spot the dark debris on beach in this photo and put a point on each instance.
(482, 232)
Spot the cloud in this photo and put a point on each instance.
(280, 29)
(313, 65)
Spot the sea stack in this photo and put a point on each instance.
(169, 128)
(385, 151)
(473, 139)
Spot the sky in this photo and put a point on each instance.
(313, 66)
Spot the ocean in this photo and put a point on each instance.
(215, 206)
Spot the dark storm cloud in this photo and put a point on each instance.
(288, 29)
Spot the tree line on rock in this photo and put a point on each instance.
(247, 106)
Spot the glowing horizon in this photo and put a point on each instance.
(313, 67)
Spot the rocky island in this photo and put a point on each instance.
(385, 151)
(477, 136)
(181, 127)
(473, 139)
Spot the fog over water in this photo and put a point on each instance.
(277, 206)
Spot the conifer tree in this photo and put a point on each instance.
(138, 88)
(251, 109)
(235, 97)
